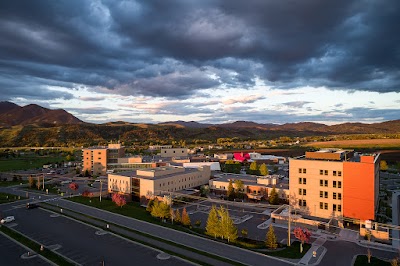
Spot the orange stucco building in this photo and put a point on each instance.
(95, 159)
(335, 183)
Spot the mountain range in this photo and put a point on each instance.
(35, 125)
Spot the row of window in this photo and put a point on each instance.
(335, 207)
(302, 171)
(302, 191)
(302, 203)
(334, 173)
(302, 180)
(325, 194)
(335, 184)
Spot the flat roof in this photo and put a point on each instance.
(251, 180)
(133, 174)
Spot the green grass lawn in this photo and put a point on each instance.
(363, 260)
(134, 210)
(6, 198)
(27, 162)
(12, 183)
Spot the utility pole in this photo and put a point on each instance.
(288, 244)
(101, 188)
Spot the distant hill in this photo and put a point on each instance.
(190, 124)
(32, 114)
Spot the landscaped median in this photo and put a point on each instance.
(134, 210)
(48, 254)
(141, 237)
(6, 198)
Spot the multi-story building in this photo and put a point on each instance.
(157, 181)
(174, 152)
(335, 183)
(255, 187)
(96, 159)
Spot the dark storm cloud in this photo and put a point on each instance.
(176, 49)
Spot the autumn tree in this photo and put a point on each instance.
(73, 186)
(239, 188)
(38, 183)
(150, 205)
(231, 166)
(303, 235)
(177, 216)
(31, 182)
(230, 193)
(264, 169)
(253, 170)
(273, 197)
(383, 166)
(227, 228)
(244, 232)
(118, 199)
(161, 210)
(270, 240)
(212, 226)
(185, 219)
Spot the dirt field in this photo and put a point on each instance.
(359, 143)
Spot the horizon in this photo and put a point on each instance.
(209, 62)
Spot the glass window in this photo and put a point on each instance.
(326, 172)
(300, 180)
(326, 194)
(299, 170)
(326, 183)
(304, 181)
(321, 194)
(334, 173)
(299, 191)
(339, 208)
(339, 184)
(339, 196)
(334, 183)
(304, 170)
(334, 195)
(321, 205)
(321, 182)
(326, 206)
(321, 172)
(334, 207)
(339, 173)
(304, 192)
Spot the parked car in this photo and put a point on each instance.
(31, 205)
(8, 219)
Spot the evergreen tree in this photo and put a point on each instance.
(270, 240)
(273, 197)
(185, 218)
(264, 169)
(212, 227)
(231, 192)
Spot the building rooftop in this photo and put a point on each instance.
(134, 174)
(251, 180)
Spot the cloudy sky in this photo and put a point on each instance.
(209, 61)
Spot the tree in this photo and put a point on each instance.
(303, 235)
(31, 182)
(73, 186)
(38, 183)
(273, 197)
(231, 166)
(204, 190)
(270, 240)
(239, 187)
(369, 255)
(185, 218)
(150, 205)
(383, 166)
(212, 226)
(227, 228)
(87, 173)
(264, 169)
(118, 199)
(178, 217)
(253, 170)
(230, 193)
(244, 232)
(160, 210)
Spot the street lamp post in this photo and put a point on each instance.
(43, 181)
(101, 188)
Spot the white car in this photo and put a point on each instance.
(8, 219)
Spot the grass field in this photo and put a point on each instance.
(12, 183)
(27, 162)
(358, 143)
(363, 260)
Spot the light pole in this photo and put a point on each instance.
(43, 181)
(101, 188)
(288, 244)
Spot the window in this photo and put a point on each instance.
(302, 203)
(321, 194)
(339, 196)
(326, 194)
(326, 172)
(334, 173)
(321, 205)
(304, 181)
(339, 208)
(300, 180)
(334, 207)
(321, 182)
(321, 172)
(304, 170)
(302, 192)
(339, 173)
(326, 183)
(334, 195)
(339, 184)
(325, 206)
(299, 170)
(334, 183)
